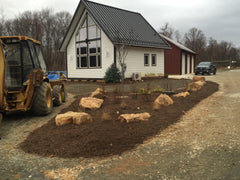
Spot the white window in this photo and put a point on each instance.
(88, 44)
(154, 59)
(146, 59)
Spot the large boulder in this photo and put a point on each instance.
(81, 118)
(62, 119)
(163, 99)
(182, 94)
(73, 117)
(90, 103)
(134, 117)
(195, 86)
(98, 93)
(198, 78)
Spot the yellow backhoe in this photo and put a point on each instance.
(24, 84)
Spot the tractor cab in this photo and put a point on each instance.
(24, 84)
(24, 55)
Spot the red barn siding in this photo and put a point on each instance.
(172, 60)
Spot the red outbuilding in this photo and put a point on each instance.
(179, 59)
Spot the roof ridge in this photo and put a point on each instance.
(111, 7)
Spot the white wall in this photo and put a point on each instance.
(188, 64)
(135, 61)
(193, 64)
(183, 63)
(107, 57)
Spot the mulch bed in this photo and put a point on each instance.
(105, 138)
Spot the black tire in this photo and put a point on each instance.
(196, 73)
(214, 72)
(64, 94)
(42, 103)
(57, 94)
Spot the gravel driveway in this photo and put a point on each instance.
(205, 144)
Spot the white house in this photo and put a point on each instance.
(97, 31)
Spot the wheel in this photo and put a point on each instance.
(214, 72)
(202, 73)
(57, 94)
(64, 94)
(196, 73)
(1, 117)
(42, 103)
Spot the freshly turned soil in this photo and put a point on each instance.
(105, 138)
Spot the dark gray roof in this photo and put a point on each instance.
(122, 26)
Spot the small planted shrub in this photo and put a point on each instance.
(116, 89)
(165, 75)
(106, 117)
(112, 74)
(158, 89)
(144, 91)
(150, 75)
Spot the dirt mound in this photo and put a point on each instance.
(105, 138)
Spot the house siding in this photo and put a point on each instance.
(135, 61)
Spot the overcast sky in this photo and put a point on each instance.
(219, 19)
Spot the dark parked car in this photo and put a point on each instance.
(205, 67)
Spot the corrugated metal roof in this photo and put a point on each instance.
(178, 44)
(122, 26)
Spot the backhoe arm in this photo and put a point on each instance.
(2, 78)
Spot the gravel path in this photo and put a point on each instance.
(205, 144)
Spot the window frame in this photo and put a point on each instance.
(154, 55)
(95, 40)
(146, 55)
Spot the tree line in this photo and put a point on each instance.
(222, 53)
(45, 26)
(49, 28)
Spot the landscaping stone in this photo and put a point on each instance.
(90, 103)
(62, 119)
(195, 86)
(98, 93)
(163, 99)
(199, 83)
(81, 118)
(182, 94)
(73, 117)
(198, 78)
(134, 117)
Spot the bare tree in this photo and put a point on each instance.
(166, 30)
(45, 26)
(2, 22)
(195, 40)
(122, 51)
(178, 36)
